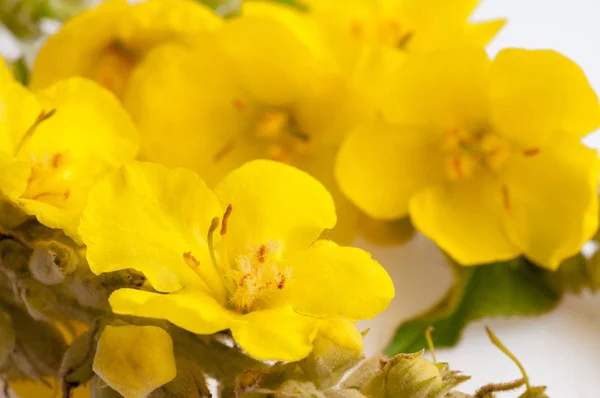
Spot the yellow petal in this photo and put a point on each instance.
(189, 309)
(89, 135)
(537, 93)
(465, 218)
(105, 43)
(303, 27)
(338, 332)
(446, 89)
(76, 48)
(362, 287)
(276, 334)
(380, 167)
(213, 113)
(135, 360)
(274, 65)
(553, 198)
(146, 217)
(482, 33)
(272, 201)
(420, 12)
(13, 176)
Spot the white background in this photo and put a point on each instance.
(560, 349)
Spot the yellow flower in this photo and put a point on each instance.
(245, 257)
(106, 43)
(256, 90)
(55, 144)
(368, 39)
(484, 156)
(414, 26)
(135, 360)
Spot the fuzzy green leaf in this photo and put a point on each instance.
(500, 289)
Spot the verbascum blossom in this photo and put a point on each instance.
(413, 26)
(55, 144)
(257, 89)
(245, 257)
(106, 43)
(135, 360)
(484, 156)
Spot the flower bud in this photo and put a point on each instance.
(51, 262)
(189, 382)
(11, 216)
(409, 375)
(14, 256)
(40, 301)
(7, 337)
(76, 366)
(39, 346)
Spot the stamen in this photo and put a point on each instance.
(531, 151)
(214, 224)
(506, 197)
(239, 104)
(457, 165)
(42, 117)
(56, 160)
(261, 254)
(223, 151)
(403, 41)
(225, 218)
(296, 132)
(281, 283)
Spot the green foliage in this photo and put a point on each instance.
(501, 289)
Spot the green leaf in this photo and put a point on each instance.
(21, 71)
(509, 288)
(574, 275)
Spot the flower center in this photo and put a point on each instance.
(275, 132)
(114, 67)
(387, 31)
(48, 181)
(258, 273)
(465, 152)
(251, 276)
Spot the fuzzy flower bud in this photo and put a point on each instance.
(52, 261)
(409, 375)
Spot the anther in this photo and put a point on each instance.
(505, 197)
(261, 254)
(531, 151)
(42, 117)
(223, 151)
(225, 218)
(239, 104)
(190, 259)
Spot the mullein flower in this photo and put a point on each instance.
(257, 89)
(106, 43)
(414, 26)
(55, 144)
(244, 257)
(484, 156)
